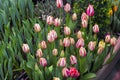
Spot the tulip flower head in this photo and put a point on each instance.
(57, 22)
(43, 62)
(67, 30)
(91, 45)
(39, 53)
(61, 62)
(79, 34)
(84, 23)
(96, 28)
(72, 41)
(43, 44)
(107, 38)
(37, 27)
(80, 43)
(25, 48)
(74, 72)
(82, 52)
(55, 52)
(59, 3)
(49, 20)
(52, 35)
(74, 17)
(65, 72)
(73, 60)
(56, 78)
(84, 16)
(113, 41)
(67, 7)
(66, 42)
(90, 10)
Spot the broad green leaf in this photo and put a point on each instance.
(89, 76)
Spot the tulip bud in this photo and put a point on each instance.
(91, 45)
(25, 48)
(82, 52)
(72, 41)
(56, 78)
(100, 50)
(57, 22)
(67, 30)
(84, 23)
(43, 62)
(43, 45)
(115, 8)
(65, 72)
(49, 20)
(59, 3)
(84, 16)
(62, 53)
(37, 27)
(110, 12)
(113, 41)
(80, 43)
(66, 42)
(79, 34)
(55, 52)
(74, 17)
(107, 38)
(67, 7)
(73, 60)
(101, 44)
(95, 28)
(52, 35)
(74, 72)
(90, 10)
(39, 53)
(61, 62)
(61, 43)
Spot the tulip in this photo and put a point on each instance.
(60, 42)
(82, 52)
(100, 50)
(72, 41)
(79, 34)
(84, 23)
(113, 41)
(73, 60)
(52, 35)
(91, 45)
(74, 17)
(37, 27)
(101, 44)
(56, 78)
(67, 7)
(61, 62)
(25, 48)
(67, 30)
(115, 8)
(43, 45)
(49, 20)
(65, 72)
(110, 12)
(84, 16)
(74, 72)
(57, 22)
(107, 38)
(62, 53)
(55, 52)
(39, 53)
(90, 10)
(96, 28)
(66, 42)
(43, 62)
(59, 3)
(80, 43)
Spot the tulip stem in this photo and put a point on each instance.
(90, 30)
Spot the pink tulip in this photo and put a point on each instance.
(72, 41)
(25, 48)
(39, 53)
(113, 41)
(66, 42)
(67, 30)
(74, 17)
(79, 34)
(55, 52)
(96, 28)
(84, 16)
(37, 27)
(74, 72)
(61, 62)
(84, 23)
(107, 38)
(43, 62)
(57, 22)
(80, 43)
(65, 72)
(49, 20)
(67, 7)
(82, 52)
(59, 3)
(43, 45)
(52, 35)
(90, 10)
(91, 45)
(73, 60)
